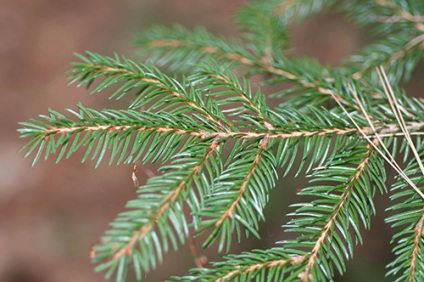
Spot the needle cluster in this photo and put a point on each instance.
(222, 147)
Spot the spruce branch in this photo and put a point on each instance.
(407, 219)
(345, 199)
(180, 49)
(261, 29)
(222, 147)
(300, 10)
(393, 15)
(238, 192)
(401, 48)
(415, 253)
(246, 266)
(166, 51)
(165, 204)
(403, 13)
(215, 77)
(135, 76)
(112, 130)
(399, 52)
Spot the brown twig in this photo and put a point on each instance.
(384, 131)
(199, 261)
(389, 159)
(419, 232)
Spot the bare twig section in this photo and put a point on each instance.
(239, 269)
(401, 134)
(166, 203)
(393, 129)
(419, 232)
(240, 58)
(342, 200)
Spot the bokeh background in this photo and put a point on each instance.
(51, 214)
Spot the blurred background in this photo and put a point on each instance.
(51, 214)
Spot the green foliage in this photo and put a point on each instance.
(222, 147)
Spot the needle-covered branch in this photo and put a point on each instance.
(222, 146)
(156, 220)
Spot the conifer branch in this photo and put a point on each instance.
(415, 253)
(237, 191)
(206, 49)
(400, 47)
(271, 263)
(165, 204)
(129, 71)
(242, 57)
(254, 267)
(228, 80)
(325, 236)
(221, 145)
(403, 14)
(390, 160)
(417, 41)
(112, 128)
(229, 213)
(408, 240)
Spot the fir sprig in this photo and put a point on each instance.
(222, 146)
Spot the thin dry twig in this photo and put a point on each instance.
(199, 260)
(399, 117)
(389, 159)
(403, 14)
